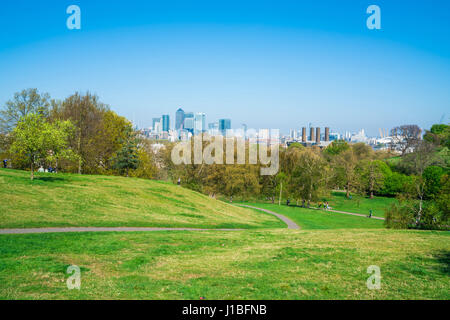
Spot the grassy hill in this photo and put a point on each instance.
(327, 259)
(68, 200)
(249, 264)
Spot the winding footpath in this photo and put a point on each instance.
(290, 225)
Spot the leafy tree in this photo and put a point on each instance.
(336, 147)
(432, 176)
(36, 140)
(309, 175)
(372, 175)
(439, 134)
(127, 157)
(25, 102)
(394, 184)
(344, 165)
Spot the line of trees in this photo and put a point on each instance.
(82, 135)
(79, 134)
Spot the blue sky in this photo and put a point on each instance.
(269, 64)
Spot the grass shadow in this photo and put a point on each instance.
(443, 257)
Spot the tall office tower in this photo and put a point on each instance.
(327, 134)
(317, 135)
(157, 128)
(188, 115)
(179, 119)
(165, 120)
(155, 121)
(224, 125)
(304, 134)
(311, 134)
(199, 122)
(189, 124)
(292, 133)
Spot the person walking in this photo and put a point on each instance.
(370, 214)
(288, 202)
(5, 163)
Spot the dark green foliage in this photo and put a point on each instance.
(127, 157)
(432, 176)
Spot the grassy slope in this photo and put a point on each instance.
(264, 264)
(65, 200)
(320, 219)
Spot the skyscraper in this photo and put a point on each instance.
(189, 124)
(155, 121)
(199, 122)
(165, 122)
(179, 119)
(224, 125)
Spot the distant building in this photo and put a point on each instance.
(155, 120)
(213, 128)
(165, 123)
(199, 122)
(189, 124)
(224, 125)
(179, 119)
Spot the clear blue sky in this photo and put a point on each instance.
(269, 64)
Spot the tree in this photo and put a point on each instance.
(439, 134)
(127, 157)
(36, 140)
(344, 166)
(336, 147)
(432, 176)
(309, 175)
(372, 175)
(405, 137)
(25, 102)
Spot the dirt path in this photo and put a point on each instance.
(291, 224)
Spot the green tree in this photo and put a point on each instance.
(309, 176)
(372, 175)
(35, 139)
(24, 102)
(126, 158)
(336, 147)
(432, 176)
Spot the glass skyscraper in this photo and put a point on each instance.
(224, 125)
(165, 122)
(179, 119)
(199, 123)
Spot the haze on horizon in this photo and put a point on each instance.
(268, 64)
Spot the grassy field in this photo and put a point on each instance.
(327, 259)
(360, 204)
(320, 219)
(258, 264)
(68, 200)
(357, 204)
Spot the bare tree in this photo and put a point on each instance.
(405, 137)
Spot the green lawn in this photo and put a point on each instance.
(68, 200)
(360, 204)
(320, 219)
(327, 259)
(258, 264)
